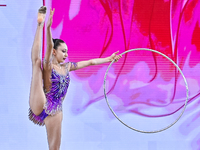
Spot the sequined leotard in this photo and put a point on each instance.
(55, 97)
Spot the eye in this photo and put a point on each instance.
(64, 51)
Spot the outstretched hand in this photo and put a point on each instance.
(115, 57)
(50, 20)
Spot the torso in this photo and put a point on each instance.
(62, 72)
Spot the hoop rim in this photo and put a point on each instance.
(186, 85)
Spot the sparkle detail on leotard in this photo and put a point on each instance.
(55, 97)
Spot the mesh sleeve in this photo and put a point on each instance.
(73, 66)
(47, 62)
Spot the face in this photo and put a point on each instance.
(61, 53)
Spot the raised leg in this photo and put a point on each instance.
(37, 96)
(53, 127)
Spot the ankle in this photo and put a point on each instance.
(41, 25)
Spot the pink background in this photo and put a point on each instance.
(142, 83)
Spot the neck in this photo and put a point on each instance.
(55, 62)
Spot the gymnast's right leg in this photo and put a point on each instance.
(53, 127)
(37, 97)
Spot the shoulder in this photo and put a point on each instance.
(66, 65)
(70, 66)
(47, 65)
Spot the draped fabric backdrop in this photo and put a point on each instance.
(144, 89)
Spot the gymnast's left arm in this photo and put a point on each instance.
(98, 61)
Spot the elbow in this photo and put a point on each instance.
(50, 46)
(92, 62)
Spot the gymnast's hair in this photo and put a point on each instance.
(57, 43)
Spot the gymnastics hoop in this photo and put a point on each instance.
(186, 85)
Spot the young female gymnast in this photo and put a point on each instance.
(49, 84)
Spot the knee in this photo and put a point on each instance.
(37, 62)
(54, 147)
(54, 144)
(35, 109)
(36, 112)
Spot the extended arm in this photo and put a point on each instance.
(97, 61)
(49, 41)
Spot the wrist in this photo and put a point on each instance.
(109, 59)
(48, 27)
(41, 25)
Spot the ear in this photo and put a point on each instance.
(54, 52)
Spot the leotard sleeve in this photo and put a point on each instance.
(73, 66)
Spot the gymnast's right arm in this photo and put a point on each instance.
(49, 41)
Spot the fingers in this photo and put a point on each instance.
(53, 11)
(117, 57)
(51, 15)
(116, 52)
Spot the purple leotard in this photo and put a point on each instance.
(55, 97)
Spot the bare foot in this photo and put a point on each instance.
(41, 15)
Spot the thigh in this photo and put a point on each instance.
(53, 127)
(37, 96)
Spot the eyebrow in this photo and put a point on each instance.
(65, 50)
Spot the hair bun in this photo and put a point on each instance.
(57, 42)
(54, 41)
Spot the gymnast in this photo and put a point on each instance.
(50, 82)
